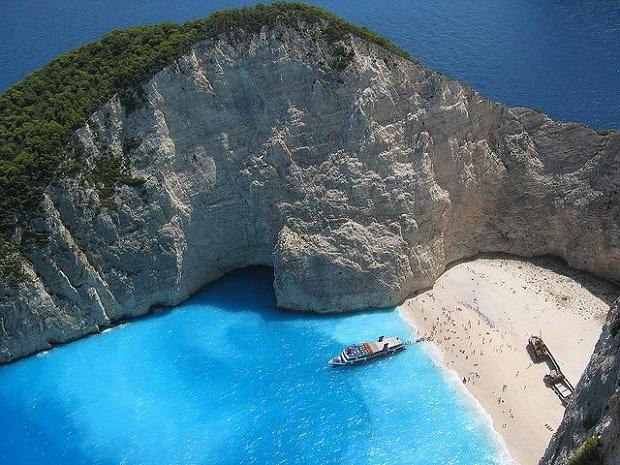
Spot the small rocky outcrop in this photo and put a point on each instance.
(590, 431)
(358, 175)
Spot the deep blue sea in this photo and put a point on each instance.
(560, 56)
(228, 379)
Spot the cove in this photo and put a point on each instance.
(226, 378)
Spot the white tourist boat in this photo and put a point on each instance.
(367, 351)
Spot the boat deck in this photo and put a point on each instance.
(555, 379)
(365, 351)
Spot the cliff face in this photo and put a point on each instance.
(595, 410)
(357, 174)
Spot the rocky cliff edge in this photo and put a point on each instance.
(590, 431)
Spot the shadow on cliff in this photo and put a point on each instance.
(251, 289)
(598, 287)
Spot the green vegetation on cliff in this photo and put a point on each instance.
(11, 270)
(39, 114)
(587, 454)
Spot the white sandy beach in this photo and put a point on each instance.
(480, 314)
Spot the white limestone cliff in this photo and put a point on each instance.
(358, 185)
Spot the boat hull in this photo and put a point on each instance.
(341, 361)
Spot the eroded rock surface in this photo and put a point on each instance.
(358, 185)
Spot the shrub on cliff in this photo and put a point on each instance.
(587, 454)
(39, 114)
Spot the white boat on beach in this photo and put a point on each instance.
(367, 351)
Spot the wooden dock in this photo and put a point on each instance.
(555, 379)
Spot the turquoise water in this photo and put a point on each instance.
(561, 56)
(227, 379)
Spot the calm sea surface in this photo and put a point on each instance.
(561, 56)
(227, 379)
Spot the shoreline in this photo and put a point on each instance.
(452, 377)
(475, 322)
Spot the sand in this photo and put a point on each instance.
(480, 314)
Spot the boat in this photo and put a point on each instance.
(560, 385)
(555, 379)
(537, 347)
(367, 351)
